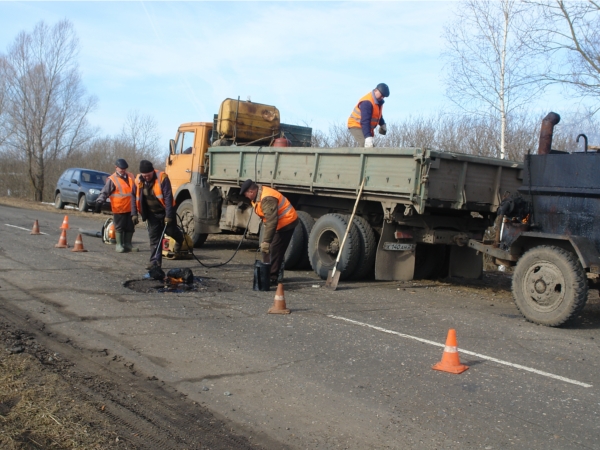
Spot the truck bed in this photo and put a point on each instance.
(419, 177)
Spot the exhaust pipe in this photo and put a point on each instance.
(546, 132)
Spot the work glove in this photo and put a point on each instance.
(98, 208)
(135, 220)
(382, 129)
(264, 247)
(369, 142)
(168, 220)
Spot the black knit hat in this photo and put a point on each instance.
(246, 185)
(121, 163)
(146, 166)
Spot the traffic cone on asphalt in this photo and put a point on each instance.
(65, 224)
(450, 360)
(62, 240)
(36, 228)
(78, 247)
(279, 303)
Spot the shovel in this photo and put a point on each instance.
(333, 277)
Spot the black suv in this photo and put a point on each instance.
(80, 187)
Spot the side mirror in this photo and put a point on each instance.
(171, 146)
(74, 181)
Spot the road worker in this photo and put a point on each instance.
(279, 220)
(154, 201)
(367, 114)
(119, 188)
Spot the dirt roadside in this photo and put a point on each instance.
(54, 395)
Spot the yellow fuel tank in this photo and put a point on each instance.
(245, 121)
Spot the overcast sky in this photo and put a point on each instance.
(177, 61)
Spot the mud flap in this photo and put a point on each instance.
(393, 265)
(208, 207)
(465, 262)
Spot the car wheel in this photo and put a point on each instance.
(82, 206)
(58, 203)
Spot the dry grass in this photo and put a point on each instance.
(37, 410)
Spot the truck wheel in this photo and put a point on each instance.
(306, 225)
(324, 243)
(549, 285)
(58, 203)
(368, 248)
(82, 205)
(186, 212)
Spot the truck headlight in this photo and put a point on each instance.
(94, 191)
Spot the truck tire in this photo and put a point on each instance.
(82, 204)
(306, 225)
(324, 242)
(549, 285)
(186, 212)
(58, 203)
(368, 248)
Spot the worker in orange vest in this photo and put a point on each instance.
(367, 114)
(155, 203)
(119, 188)
(279, 220)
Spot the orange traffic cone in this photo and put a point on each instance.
(279, 303)
(62, 240)
(65, 224)
(36, 228)
(450, 360)
(78, 247)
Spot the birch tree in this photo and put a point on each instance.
(46, 104)
(570, 36)
(491, 65)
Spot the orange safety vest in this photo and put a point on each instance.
(156, 188)
(120, 198)
(286, 213)
(354, 119)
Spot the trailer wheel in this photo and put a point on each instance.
(324, 243)
(368, 248)
(298, 249)
(549, 285)
(186, 212)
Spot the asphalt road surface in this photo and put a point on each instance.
(346, 369)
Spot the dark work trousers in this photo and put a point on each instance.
(123, 223)
(279, 245)
(156, 225)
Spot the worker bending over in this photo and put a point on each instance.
(279, 220)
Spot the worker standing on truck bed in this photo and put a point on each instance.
(119, 187)
(279, 220)
(367, 114)
(154, 201)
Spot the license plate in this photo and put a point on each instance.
(397, 246)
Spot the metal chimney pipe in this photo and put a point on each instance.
(546, 133)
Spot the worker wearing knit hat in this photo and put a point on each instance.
(154, 201)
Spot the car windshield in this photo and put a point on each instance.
(93, 177)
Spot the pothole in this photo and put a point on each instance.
(150, 286)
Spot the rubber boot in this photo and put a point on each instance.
(128, 236)
(177, 247)
(119, 238)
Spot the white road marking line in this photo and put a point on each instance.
(21, 228)
(467, 352)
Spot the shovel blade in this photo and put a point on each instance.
(332, 280)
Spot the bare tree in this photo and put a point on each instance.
(491, 65)
(570, 32)
(140, 133)
(46, 103)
